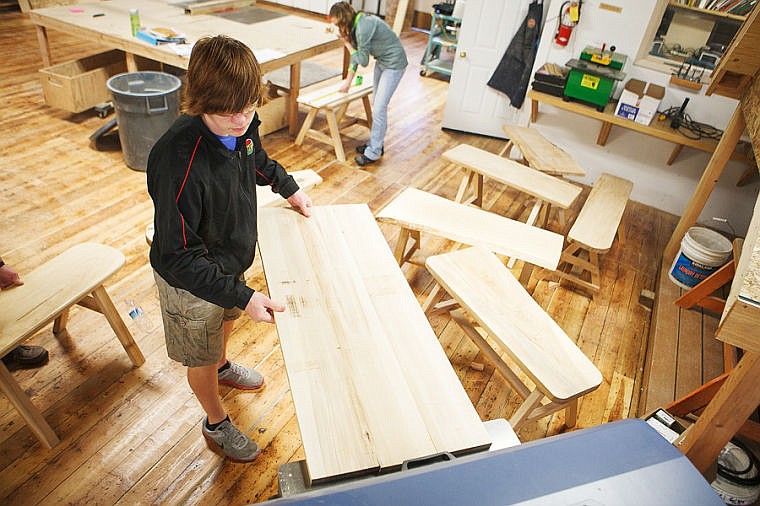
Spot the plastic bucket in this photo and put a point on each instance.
(702, 252)
(146, 103)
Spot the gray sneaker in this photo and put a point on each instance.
(234, 444)
(243, 378)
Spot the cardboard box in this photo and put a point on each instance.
(639, 102)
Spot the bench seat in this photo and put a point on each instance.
(334, 104)
(594, 230)
(539, 152)
(416, 211)
(547, 190)
(502, 310)
(76, 276)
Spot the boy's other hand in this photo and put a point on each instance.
(301, 201)
(261, 308)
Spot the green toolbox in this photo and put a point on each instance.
(592, 78)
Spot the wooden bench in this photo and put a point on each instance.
(75, 276)
(503, 311)
(594, 230)
(539, 152)
(416, 211)
(334, 104)
(546, 189)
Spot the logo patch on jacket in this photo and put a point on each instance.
(249, 146)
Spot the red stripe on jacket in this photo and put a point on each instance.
(182, 187)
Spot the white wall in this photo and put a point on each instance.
(635, 156)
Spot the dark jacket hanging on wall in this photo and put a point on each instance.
(512, 75)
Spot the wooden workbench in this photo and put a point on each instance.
(659, 129)
(371, 385)
(279, 42)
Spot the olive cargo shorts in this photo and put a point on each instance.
(192, 326)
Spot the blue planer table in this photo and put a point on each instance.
(620, 463)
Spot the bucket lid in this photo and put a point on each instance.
(710, 240)
(143, 84)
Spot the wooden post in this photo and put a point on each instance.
(726, 413)
(42, 38)
(398, 21)
(295, 87)
(707, 182)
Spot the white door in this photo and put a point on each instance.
(487, 29)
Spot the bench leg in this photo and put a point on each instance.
(506, 149)
(432, 297)
(26, 409)
(403, 238)
(59, 325)
(478, 191)
(525, 274)
(571, 414)
(578, 266)
(306, 125)
(367, 110)
(332, 123)
(490, 354)
(466, 181)
(340, 112)
(528, 405)
(118, 326)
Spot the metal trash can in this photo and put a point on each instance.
(146, 103)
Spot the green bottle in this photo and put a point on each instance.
(134, 20)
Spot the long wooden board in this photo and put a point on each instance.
(533, 182)
(540, 153)
(372, 387)
(419, 210)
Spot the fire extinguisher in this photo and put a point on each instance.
(569, 15)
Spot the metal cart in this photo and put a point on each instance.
(443, 35)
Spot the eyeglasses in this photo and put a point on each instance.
(247, 112)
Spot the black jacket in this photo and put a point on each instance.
(205, 208)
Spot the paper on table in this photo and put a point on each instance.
(267, 54)
(181, 49)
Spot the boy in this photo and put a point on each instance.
(201, 176)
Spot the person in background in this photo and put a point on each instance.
(22, 355)
(365, 35)
(202, 176)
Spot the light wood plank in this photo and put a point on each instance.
(430, 213)
(480, 283)
(541, 154)
(366, 387)
(599, 219)
(533, 182)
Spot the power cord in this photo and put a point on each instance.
(687, 126)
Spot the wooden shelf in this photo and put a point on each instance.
(710, 12)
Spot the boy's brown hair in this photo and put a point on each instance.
(223, 77)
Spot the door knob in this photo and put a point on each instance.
(463, 54)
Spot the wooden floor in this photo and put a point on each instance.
(133, 435)
(683, 352)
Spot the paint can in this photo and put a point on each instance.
(702, 252)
